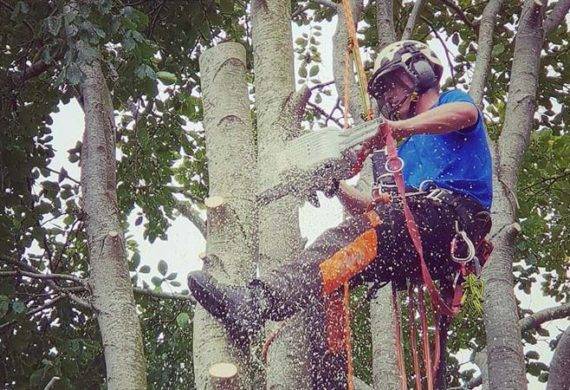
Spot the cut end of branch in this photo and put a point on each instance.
(213, 202)
(223, 370)
(223, 376)
(113, 233)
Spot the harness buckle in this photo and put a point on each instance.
(438, 194)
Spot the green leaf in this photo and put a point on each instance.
(303, 71)
(73, 75)
(136, 259)
(18, 307)
(175, 284)
(182, 320)
(314, 70)
(156, 281)
(4, 305)
(498, 49)
(145, 269)
(166, 77)
(172, 276)
(162, 267)
(53, 24)
(145, 71)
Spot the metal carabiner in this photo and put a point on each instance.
(461, 234)
(398, 167)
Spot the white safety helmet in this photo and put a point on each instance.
(412, 58)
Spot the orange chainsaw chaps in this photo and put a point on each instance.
(349, 261)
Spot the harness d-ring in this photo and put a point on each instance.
(397, 168)
(462, 235)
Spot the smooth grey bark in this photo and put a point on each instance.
(559, 374)
(385, 23)
(529, 322)
(385, 371)
(278, 110)
(384, 364)
(484, 48)
(112, 291)
(230, 245)
(504, 348)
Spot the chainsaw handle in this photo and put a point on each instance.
(376, 142)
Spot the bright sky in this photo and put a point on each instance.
(184, 241)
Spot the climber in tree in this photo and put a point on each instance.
(447, 173)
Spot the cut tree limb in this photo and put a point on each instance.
(224, 376)
(231, 201)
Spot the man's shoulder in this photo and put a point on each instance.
(455, 95)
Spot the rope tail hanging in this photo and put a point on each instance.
(354, 49)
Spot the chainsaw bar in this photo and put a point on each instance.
(309, 163)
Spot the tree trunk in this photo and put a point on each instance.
(384, 364)
(559, 375)
(504, 348)
(110, 283)
(277, 119)
(230, 150)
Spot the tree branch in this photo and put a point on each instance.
(193, 215)
(459, 12)
(164, 295)
(37, 275)
(324, 113)
(484, 48)
(447, 51)
(556, 16)
(409, 29)
(542, 316)
(328, 4)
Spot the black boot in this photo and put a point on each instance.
(243, 310)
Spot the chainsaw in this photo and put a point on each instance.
(313, 161)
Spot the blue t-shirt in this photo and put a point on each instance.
(459, 161)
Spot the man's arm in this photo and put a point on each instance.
(353, 201)
(440, 120)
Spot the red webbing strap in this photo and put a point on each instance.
(347, 338)
(425, 339)
(436, 347)
(437, 302)
(396, 315)
(413, 337)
